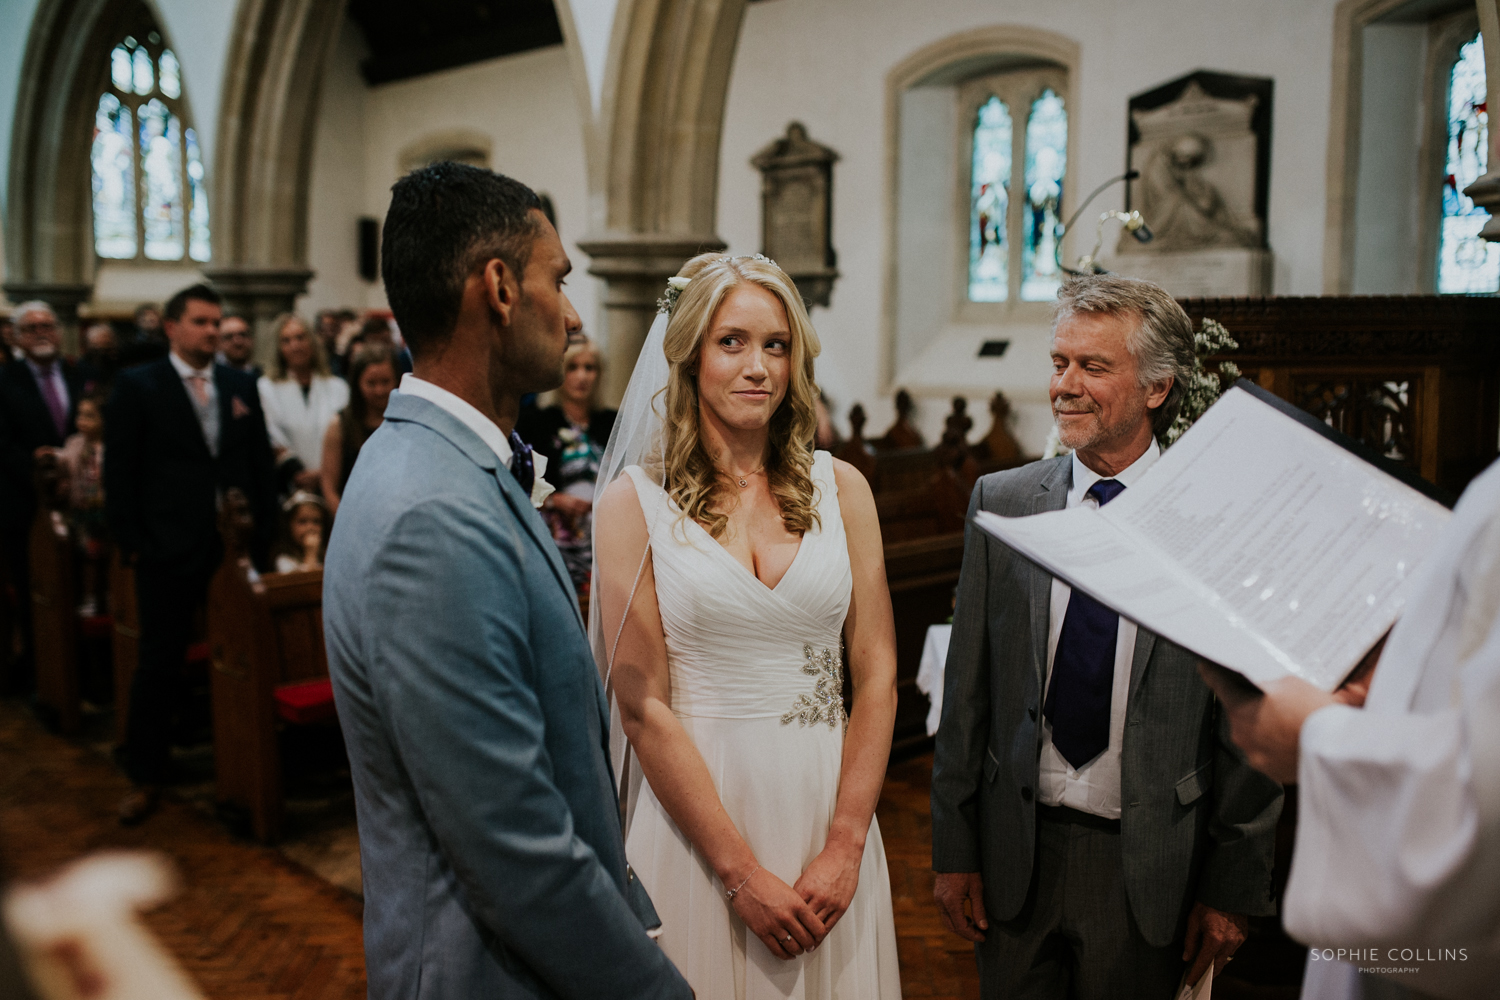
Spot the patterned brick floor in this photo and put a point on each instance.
(249, 924)
(935, 963)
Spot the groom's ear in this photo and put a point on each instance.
(502, 289)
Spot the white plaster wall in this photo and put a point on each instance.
(199, 33)
(336, 197)
(525, 104)
(15, 26)
(1387, 198)
(824, 62)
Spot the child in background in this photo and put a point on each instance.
(80, 486)
(304, 533)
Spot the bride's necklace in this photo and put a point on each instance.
(744, 481)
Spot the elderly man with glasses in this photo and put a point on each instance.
(38, 400)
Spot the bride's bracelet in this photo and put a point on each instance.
(729, 894)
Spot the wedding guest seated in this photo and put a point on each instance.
(237, 345)
(571, 434)
(300, 397)
(38, 399)
(304, 534)
(372, 376)
(80, 487)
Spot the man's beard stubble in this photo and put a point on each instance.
(1096, 435)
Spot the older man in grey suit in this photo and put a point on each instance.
(1087, 804)
(475, 721)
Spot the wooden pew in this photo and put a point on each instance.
(125, 637)
(922, 574)
(1415, 377)
(54, 611)
(269, 668)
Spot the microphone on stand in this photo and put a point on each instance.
(1134, 224)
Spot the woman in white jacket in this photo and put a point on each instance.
(300, 397)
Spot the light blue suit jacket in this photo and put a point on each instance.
(477, 732)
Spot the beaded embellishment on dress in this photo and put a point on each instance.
(826, 703)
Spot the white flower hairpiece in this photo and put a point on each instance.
(668, 301)
(677, 283)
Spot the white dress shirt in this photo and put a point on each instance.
(1095, 787)
(208, 414)
(297, 422)
(488, 432)
(466, 412)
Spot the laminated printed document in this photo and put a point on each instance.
(1256, 541)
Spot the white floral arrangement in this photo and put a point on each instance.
(1204, 386)
(668, 301)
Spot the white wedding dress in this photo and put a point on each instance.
(756, 682)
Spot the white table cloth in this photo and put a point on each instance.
(930, 672)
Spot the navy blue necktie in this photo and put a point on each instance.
(521, 465)
(1083, 669)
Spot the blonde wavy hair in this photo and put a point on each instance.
(689, 475)
(319, 358)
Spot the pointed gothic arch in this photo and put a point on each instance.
(49, 244)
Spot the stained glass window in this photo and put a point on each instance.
(198, 243)
(161, 187)
(989, 245)
(141, 65)
(1466, 262)
(119, 67)
(171, 75)
(113, 159)
(1046, 162)
(149, 185)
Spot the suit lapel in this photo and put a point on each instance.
(521, 506)
(1051, 494)
(1145, 644)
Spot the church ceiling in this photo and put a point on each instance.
(408, 39)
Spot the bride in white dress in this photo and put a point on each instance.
(732, 566)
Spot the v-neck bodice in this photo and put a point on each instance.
(735, 647)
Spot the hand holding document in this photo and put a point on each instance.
(1255, 542)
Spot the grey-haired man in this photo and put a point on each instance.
(1086, 800)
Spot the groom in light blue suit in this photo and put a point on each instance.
(476, 725)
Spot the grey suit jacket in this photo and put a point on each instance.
(1197, 823)
(477, 733)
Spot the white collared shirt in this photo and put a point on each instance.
(467, 414)
(1094, 788)
(477, 422)
(208, 416)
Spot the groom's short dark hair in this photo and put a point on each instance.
(445, 221)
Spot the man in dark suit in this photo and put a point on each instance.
(1087, 802)
(38, 400)
(179, 433)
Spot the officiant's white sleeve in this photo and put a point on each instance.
(1398, 836)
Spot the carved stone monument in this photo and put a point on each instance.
(797, 211)
(1202, 146)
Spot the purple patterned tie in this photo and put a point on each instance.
(521, 465)
(1083, 668)
(54, 402)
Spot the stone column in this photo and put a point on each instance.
(63, 296)
(636, 268)
(1486, 190)
(260, 294)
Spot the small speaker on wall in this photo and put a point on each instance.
(369, 248)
